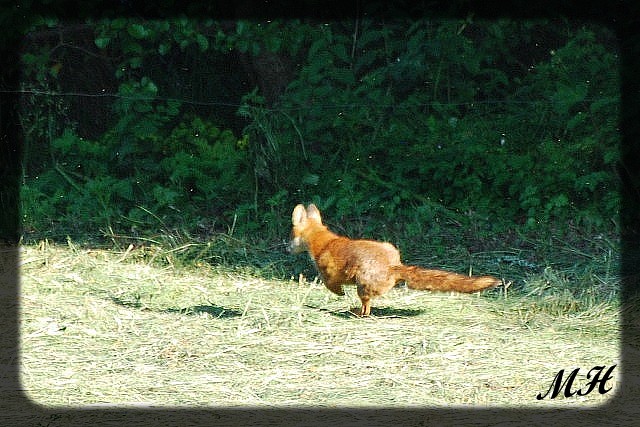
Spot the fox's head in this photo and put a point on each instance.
(302, 219)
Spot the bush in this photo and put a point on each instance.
(387, 125)
(182, 180)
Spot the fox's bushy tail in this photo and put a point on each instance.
(439, 280)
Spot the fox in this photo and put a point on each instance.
(373, 266)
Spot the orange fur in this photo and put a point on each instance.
(374, 267)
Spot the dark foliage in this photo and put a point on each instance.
(398, 127)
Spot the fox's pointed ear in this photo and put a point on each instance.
(298, 215)
(313, 212)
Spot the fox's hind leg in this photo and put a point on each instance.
(334, 286)
(371, 290)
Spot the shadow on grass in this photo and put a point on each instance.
(128, 303)
(212, 310)
(382, 313)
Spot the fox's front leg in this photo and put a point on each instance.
(366, 307)
(366, 301)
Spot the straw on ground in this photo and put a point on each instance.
(102, 327)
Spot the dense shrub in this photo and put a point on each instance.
(407, 123)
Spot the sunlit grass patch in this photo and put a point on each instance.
(115, 327)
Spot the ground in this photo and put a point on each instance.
(101, 328)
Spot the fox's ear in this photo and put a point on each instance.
(299, 215)
(313, 212)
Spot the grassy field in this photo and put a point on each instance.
(104, 327)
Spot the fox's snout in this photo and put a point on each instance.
(296, 245)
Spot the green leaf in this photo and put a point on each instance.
(365, 60)
(152, 88)
(240, 27)
(273, 44)
(29, 59)
(243, 46)
(558, 201)
(577, 120)
(133, 48)
(118, 23)
(142, 107)
(164, 48)
(311, 179)
(202, 41)
(102, 42)
(124, 189)
(173, 107)
(341, 53)
(149, 86)
(567, 96)
(255, 48)
(137, 31)
(135, 62)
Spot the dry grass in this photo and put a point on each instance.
(102, 327)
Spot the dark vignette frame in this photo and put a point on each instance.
(620, 16)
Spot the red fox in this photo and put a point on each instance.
(374, 267)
